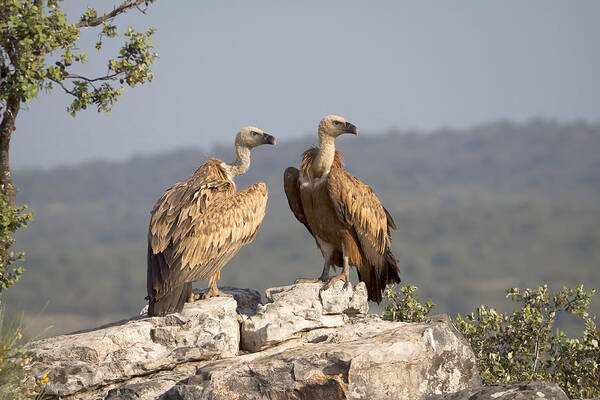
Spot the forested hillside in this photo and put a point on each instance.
(478, 211)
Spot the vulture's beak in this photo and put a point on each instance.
(350, 128)
(268, 139)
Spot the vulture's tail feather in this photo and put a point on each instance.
(393, 272)
(390, 274)
(172, 302)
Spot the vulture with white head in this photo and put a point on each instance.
(349, 223)
(199, 224)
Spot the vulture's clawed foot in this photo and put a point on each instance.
(340, 277)
(215, 293)
(193, 297)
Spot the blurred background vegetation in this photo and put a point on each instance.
(479, 210)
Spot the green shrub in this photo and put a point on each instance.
(407, 308)
(11, 219)
(523, 345)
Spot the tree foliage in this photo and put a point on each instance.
(11, 219)
(33, 30)
(38, 51)
(523, 345)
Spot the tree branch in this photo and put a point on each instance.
(102, 78)
(125, 6)
(83, 78)
(64, 87)
(537, 353)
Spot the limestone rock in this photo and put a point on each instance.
(204, 330)
(355, 328)
(151, 389)
(341, 299)
(247, 300)
(297, 308)
(517, 391)
(402, 361)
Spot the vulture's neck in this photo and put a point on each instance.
(241, 163)
(324, 159)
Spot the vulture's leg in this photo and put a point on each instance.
(344, 276)
(213, 290)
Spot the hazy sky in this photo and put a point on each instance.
(282, 65)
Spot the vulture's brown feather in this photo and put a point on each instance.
(292, 192)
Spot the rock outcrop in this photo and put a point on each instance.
(204, 330)
(304, 343)
(360, 361)
(291, 310)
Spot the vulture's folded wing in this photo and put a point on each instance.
(292, 192)
(208, 240)
(176, 210)
(390, 220)
(357, 205)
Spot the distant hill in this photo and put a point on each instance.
(478, 211)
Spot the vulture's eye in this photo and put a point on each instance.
(337, 123)
(254, 133)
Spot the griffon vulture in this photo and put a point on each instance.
(199, 224)
(349, 223)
